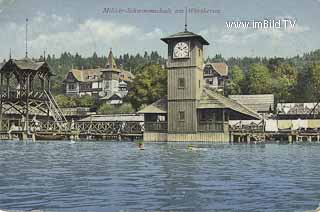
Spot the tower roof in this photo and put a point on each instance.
(111, 63)
(185, 34)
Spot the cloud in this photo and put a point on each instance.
(155, 34)
(225, 35)
(57, 34)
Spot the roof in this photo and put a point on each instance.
(122, 84)
(209, 99)
(185, 34)
(114, 118)
(259, 103)
(212, 99)
(111, 64)
(86, 75)
(126, 75)
(26, 64)
(117, 95)
(298, 108)
(160, 106)
(220, 68)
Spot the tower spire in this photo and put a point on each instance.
(26, 37)
(10, 54)
(186, 20)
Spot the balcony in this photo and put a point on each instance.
(156, 127)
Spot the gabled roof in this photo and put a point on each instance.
(115, 95)
(220, 68)
(259, 103)
(86, 75)
(26, 64)
(126, 75)
(160, 106)
(185, 34)
(212, 99)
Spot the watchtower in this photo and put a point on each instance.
(25, 90)
(185, 80)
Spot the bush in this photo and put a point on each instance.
(114, 109)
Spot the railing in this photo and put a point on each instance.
(209, 126)
(156, 126)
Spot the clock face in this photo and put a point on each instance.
(181, 50)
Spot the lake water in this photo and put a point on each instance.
(105, 176)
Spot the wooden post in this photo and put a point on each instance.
(8, 88)
(318, 138)
(27, 103)
(309, 139)
(248, 139)
(290, 139)
(48, 88)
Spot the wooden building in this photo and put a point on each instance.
(260, 103)
(190, 112)
(25, 92)
(215, 75)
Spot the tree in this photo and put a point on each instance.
(65, 101)
(236, 82)
(259, 79)
(115, 109)
(315, 80)
(283, 81)
(149, 85)
(85, 101)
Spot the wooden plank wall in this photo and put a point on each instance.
(190, 122)
(199, 137)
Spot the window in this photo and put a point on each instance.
(72, 87)
(181, 116)
(181, 83)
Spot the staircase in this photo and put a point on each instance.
(56, 112)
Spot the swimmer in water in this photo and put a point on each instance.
(141, 146)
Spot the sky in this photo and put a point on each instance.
(57, 26)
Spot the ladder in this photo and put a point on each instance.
(55, 111)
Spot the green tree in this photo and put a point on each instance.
(115, 109)
(149, 85)
(314, 70)
(105, 109)
(236, 82)
(65, 101)
(259, 79)
(283, 82)
(85, 101)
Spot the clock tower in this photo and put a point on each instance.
(185, 81)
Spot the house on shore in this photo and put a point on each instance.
(105, 83)
(215, 75)
(191, 111)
